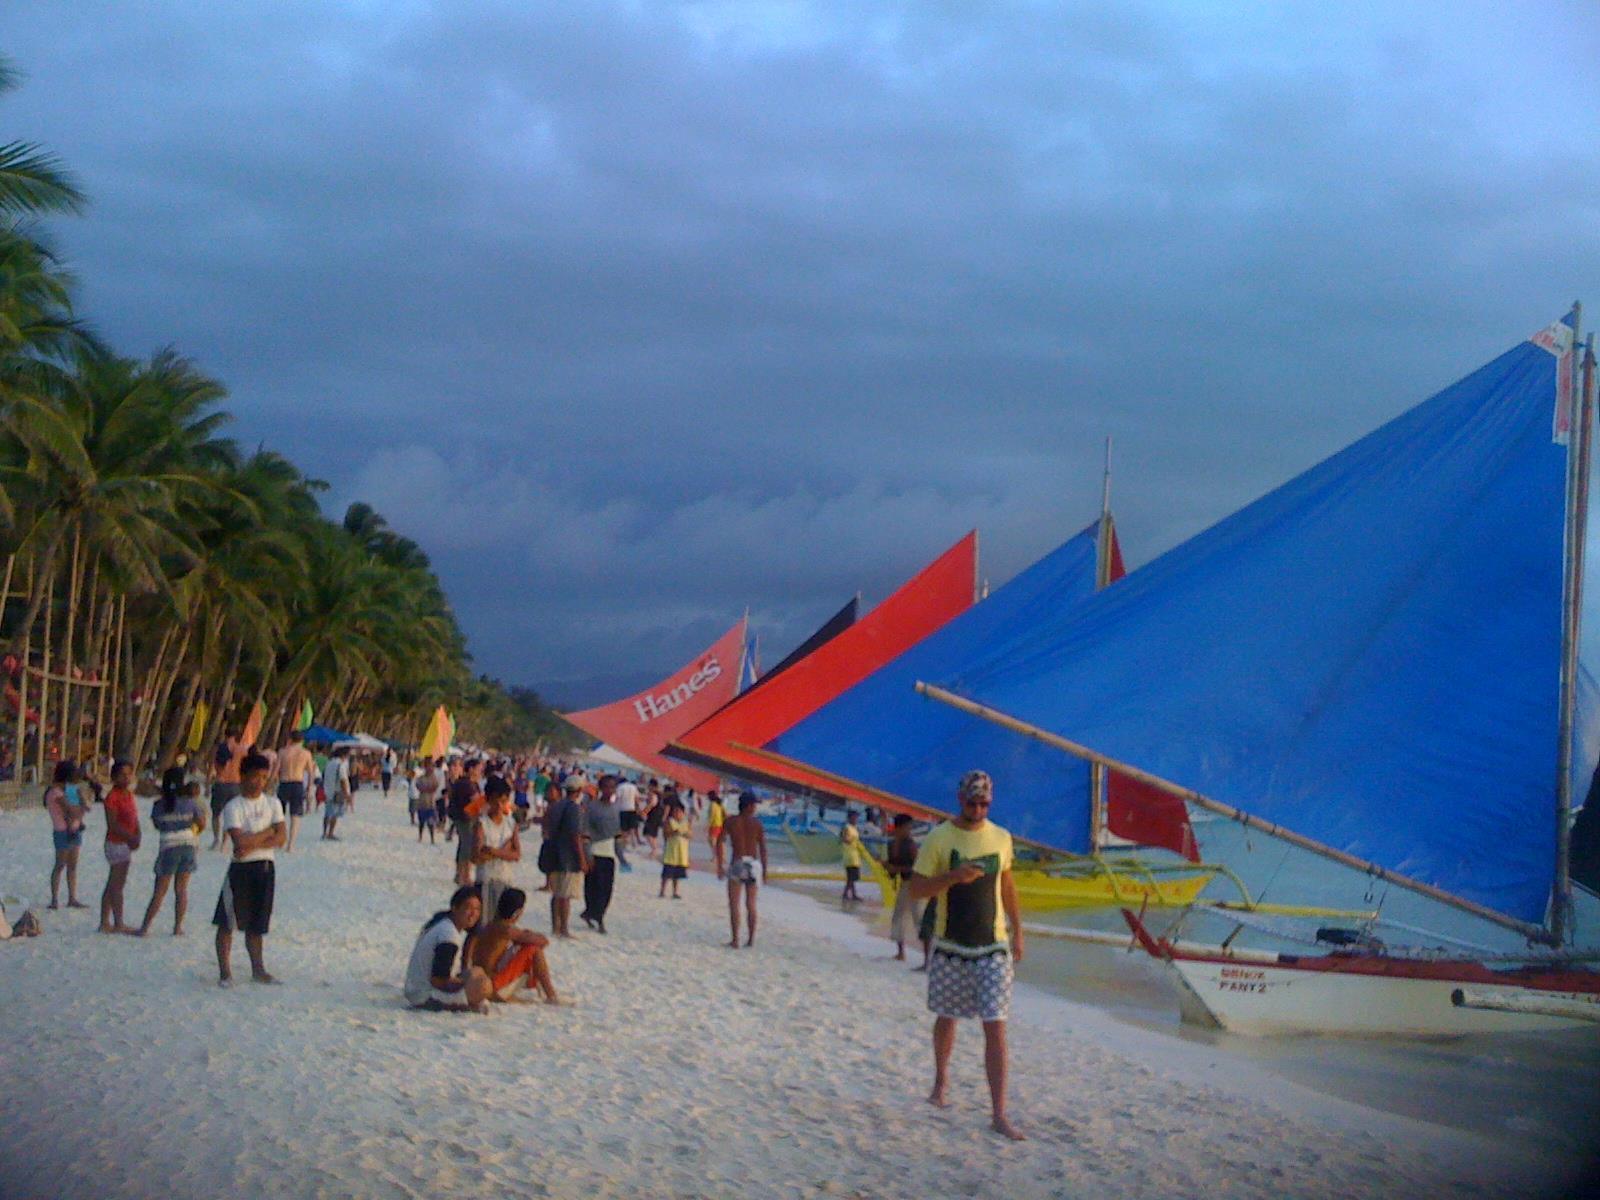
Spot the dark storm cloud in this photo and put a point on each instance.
(637, 315)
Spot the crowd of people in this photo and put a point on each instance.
(476, 952)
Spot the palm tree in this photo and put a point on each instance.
(32, 181)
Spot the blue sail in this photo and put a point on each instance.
(881, 733)
(1368, 656)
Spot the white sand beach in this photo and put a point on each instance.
(684, 1069)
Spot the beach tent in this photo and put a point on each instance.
(610, 756)
(363, 741)
(322, 735)
(729, 741)
(879, 737)
(643, 724)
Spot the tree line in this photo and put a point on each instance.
(157, 581)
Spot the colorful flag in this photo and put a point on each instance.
(252, 725)
(197, 726)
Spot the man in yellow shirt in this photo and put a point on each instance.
(964, 868)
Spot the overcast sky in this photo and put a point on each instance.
(635, 315)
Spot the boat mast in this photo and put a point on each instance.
(1102, 576)
(1577, 513)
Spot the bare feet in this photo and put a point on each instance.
(1006, 1129)
(937, 1098)
(733, 945)
(53, 905)
(76, 904)
(923, 967)
(751, 941)
(177, 933)
(136, 932)
(261, 977)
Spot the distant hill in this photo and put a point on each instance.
(569, 695)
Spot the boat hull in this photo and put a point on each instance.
(1374, 995)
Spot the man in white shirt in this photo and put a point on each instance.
(628, 812)
(336, 786)
(253, 823)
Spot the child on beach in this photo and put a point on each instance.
(254, 824)
(898, 861)
(122, 839)
(850, 856)
(64, 802)
(716, 819)
(675, 854)
(512, 957)
(747, 846)
(179, 820)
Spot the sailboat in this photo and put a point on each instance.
(865, 739)
(1377, 662)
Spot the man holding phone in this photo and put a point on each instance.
(964, 869)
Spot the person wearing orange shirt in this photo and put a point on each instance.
(122, 839)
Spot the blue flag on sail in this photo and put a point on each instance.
(882, 734)
(1369, 655)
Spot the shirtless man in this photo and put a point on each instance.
(512, 957)
(295, 766)
(747, 846)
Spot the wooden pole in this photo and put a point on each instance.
(1571, 617)
(108, 616)
(69, 746)
(44, 688)
(1189, 795)
(118, 678)
(1098, 785)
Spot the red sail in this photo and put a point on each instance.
(730, 740)
(642, 725)
(1136, 811)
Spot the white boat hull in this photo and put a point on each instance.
(1269, 999)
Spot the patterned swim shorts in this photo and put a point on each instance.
(970, 987)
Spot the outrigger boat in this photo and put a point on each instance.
(1377, 662)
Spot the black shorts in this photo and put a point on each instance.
(245, 903)
(852, 874)
(293, 796)
(630, 821)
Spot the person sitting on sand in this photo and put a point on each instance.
(64, 802)
(122, 839)
(964, 868)
(675, 854)
(254, 823)
(432, 982)
(179, 820)
(747, 847)
(512, 957)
